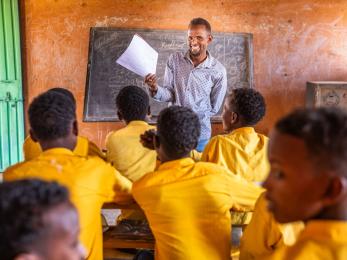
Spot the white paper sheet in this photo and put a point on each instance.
(139, 57)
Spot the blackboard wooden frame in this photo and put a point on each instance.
(143, 32)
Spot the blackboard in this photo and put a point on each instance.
(105, 77)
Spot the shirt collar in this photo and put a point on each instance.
(325, 230)
(58, 150)
(180, 163)
(207, 63)
(137, 122)
(247, 129)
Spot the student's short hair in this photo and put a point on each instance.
(51, 115)
(200, 21)
(324, 132)
(178, 130)
(133, 102)
(248, 103)
(66, 92)
(23, 205)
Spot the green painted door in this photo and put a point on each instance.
(11, 94)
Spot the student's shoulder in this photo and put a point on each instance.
(16, 170)
(211, 168)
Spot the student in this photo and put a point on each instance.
(263, 235)
(38, 221)
(84, 147)
(90, 180)
(124, 149)
(308, 181)
(188, 204)
(242, 150)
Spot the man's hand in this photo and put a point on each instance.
(151, 81)
(147, 139)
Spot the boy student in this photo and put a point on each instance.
(242, 150)
(188, 204)
(90, 180)
(124, 149)
(308, 181)
(83, 147)
(38, 221)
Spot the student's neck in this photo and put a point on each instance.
(338, 213)
(168, 159)
(198, 59)
(128, 122)
(58, 143)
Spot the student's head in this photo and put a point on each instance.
(38, 222)
(66, 92)
(199, 36)
(242, 107)
(52, 120)
(178, 131)
(132, 104)
(308, 157)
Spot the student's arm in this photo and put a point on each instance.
(262, 235)
(94, 150)
(243, 194)
(218, 92)
(116, 186)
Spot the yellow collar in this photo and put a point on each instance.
(247, 129)
(137, 122)
(58, 150)
(179, 163)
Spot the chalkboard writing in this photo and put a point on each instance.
(105, 77)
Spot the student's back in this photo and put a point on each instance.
(243, 151)
(188, 204)
(188, 207)
(90, 180)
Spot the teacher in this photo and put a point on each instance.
(193, 79)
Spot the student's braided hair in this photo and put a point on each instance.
(178, 130)
(324, 131)
(23, 205)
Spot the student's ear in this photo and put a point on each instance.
(75, 127)
(337, 189)
(32, 135)
(234, 117)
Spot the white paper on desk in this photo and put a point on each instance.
(139, 57)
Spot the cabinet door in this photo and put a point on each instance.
(11, 94)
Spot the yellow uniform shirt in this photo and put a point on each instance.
(264, 234)
(243, 152)
(188, 207)
(320, 240)
(126, 153)
(84, 147)
(91, 183)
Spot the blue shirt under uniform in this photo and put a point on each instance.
(201, 88)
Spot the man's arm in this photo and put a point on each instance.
(218, 92)
(165, 93)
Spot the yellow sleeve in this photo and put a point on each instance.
(244, 194)
(213, 152)
(31, 149)
(94, 150)
(262, 235)
(117, 186)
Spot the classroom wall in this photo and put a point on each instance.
(294, 41)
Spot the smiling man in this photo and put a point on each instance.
(308, 181)
(194, 79)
